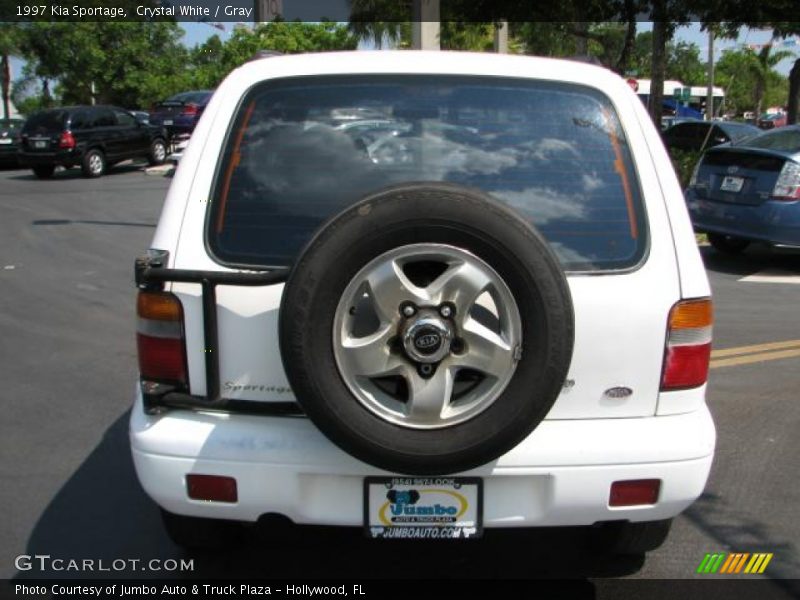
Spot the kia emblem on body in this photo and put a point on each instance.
(733, 169)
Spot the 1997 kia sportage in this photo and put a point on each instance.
(424, 294)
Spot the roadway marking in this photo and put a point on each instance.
(773, 276)
(743, 355)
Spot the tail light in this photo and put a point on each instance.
(788, 185)
(67, 140)
(190, 110)
(688, 348)
(160, 338)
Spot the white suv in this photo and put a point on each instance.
(423, 294)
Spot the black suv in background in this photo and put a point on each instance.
(92, 137)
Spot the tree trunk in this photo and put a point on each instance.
(794, 93)
(630, 38)
(6, 68)
(581, 38)
(659, 63)
(759, 98)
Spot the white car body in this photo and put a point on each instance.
(562, 472)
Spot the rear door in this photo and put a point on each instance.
(103, 132)
(134, 138)
(583, 175)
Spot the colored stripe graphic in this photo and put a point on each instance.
(711, 562)
(734, 563)
(758, 563)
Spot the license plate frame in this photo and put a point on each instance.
(732, 184)
(452, 507)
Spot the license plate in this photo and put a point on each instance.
(423, 507)
(731, 184)
(167, 121)
(40, 144)
(5, 140)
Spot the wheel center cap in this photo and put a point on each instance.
(427, 337)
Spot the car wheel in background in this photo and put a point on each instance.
(94, 163)
(727, 243)
(158, 152)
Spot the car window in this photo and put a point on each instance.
(784, 140)
(125, 118)
(288, 164)
(80, 119)
(49, 120)
(185, 97)
(103, 117)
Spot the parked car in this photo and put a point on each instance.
(179, 114)
(503, 321)
(91, 137)
(772, 120)
(696, 136)
(9, 141)
(749, 192)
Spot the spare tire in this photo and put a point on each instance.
(427, 329)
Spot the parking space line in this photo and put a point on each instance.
(755, 348)
(753, 358)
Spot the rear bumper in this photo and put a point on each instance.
(773, 222)
(65, 158)
(560, 475)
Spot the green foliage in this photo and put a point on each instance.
(684, 162)
(743, 73)
(213, 60)
(135, 64)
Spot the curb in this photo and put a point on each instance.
(164, 170)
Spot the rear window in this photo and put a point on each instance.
(186, 97)
(782, 140)
(302, 149)
(51, 120)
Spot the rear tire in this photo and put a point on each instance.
(195, 533)
(630, 538)
(727, 244)
(158, 152)
(44, 172)
(94, 163)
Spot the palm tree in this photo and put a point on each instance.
(761, 68)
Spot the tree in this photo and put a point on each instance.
(213, 60)
(761, 69)
(131, 64)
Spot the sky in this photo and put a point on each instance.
(197, 33)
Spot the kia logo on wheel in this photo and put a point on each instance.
(428, 341)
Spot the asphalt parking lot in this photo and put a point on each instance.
(68, 372)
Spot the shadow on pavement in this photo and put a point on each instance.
(87, 222)
(755, 258)
(737, 531)
(75, 173)
(102, 513)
